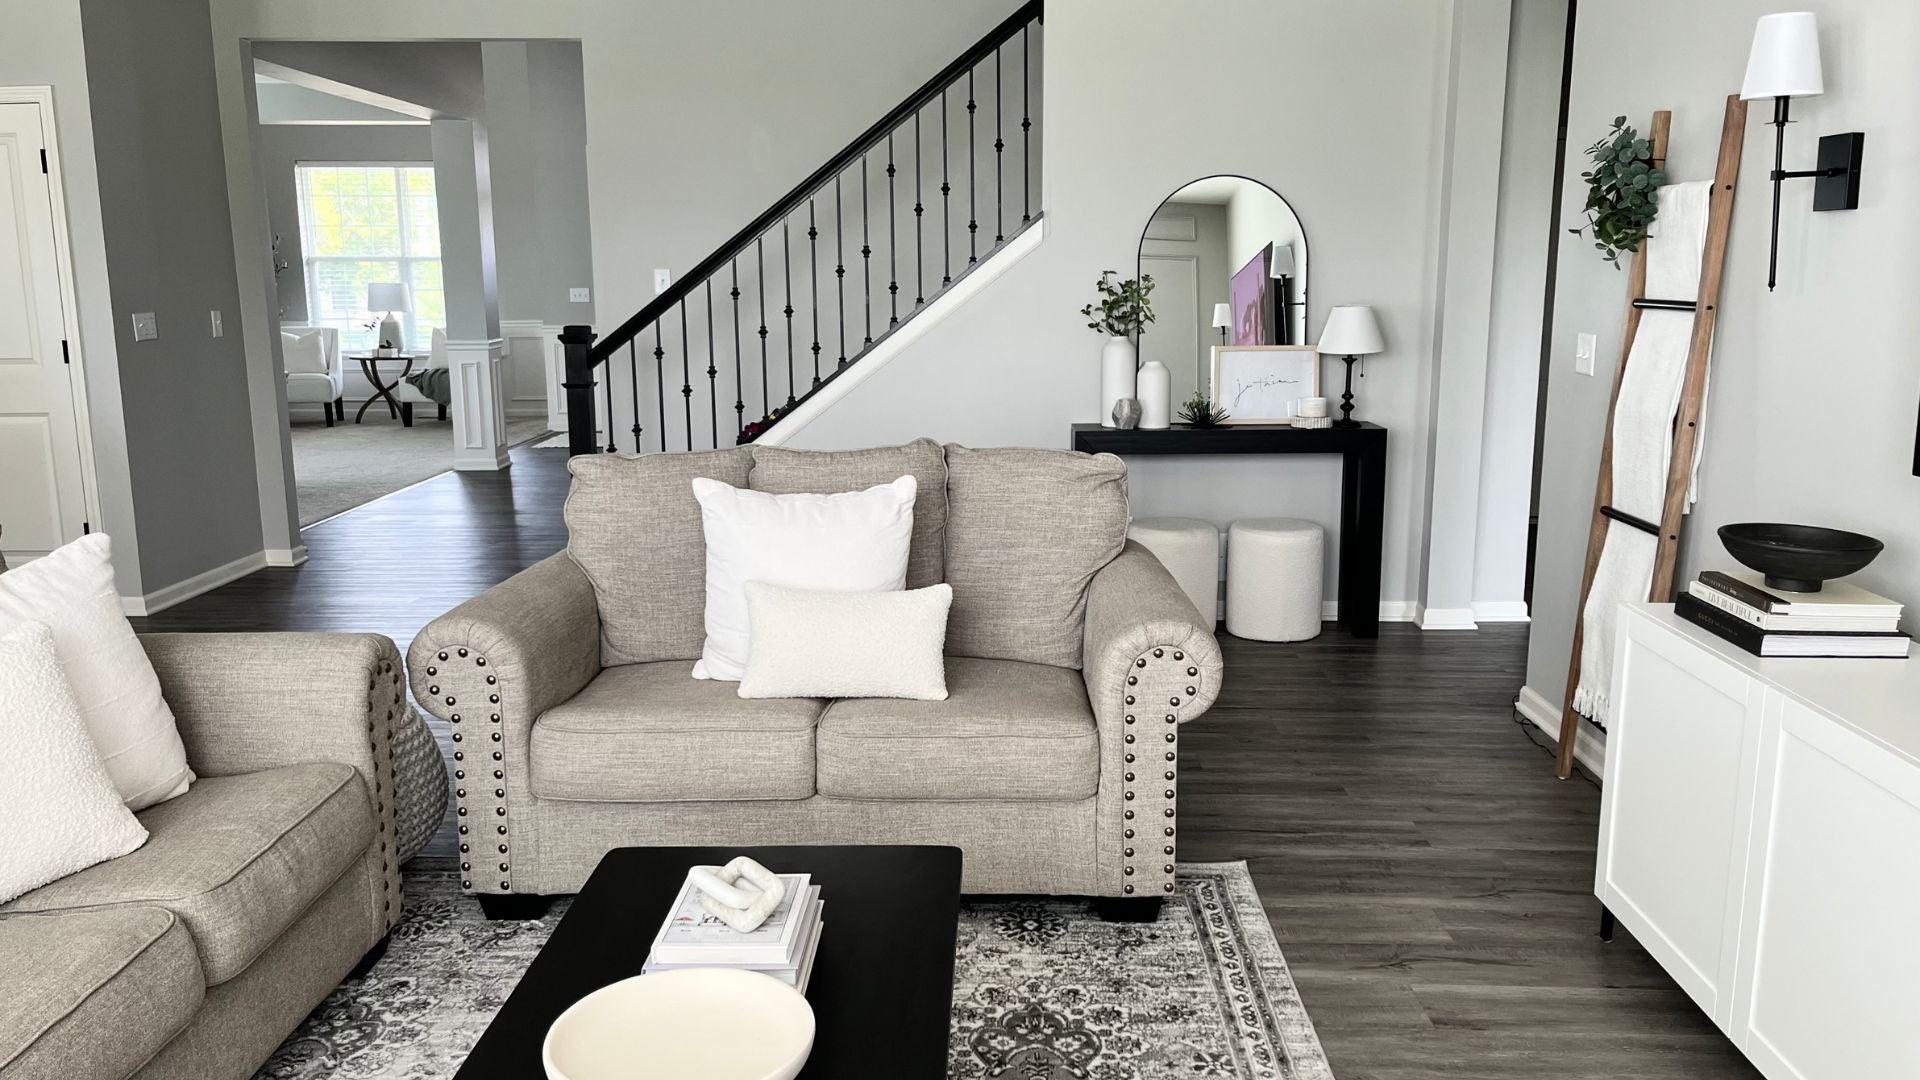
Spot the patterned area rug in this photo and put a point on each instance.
(1043, 990)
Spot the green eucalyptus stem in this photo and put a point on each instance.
(1621, 192)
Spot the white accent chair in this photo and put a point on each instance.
(408, 395)
(309, 381)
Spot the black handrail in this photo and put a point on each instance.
(1006, 31)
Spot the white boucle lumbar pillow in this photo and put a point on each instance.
(71, 591)
(854, 541)
(59, 812)
(846, 645)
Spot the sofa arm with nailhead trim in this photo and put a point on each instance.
(489, 668)
(1151, 664)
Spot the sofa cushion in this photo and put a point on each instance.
(828, 472)
(634, 529)
(1007, 730)
(654, 733)
(1026, 532)
(306, 389)
(237, 858)
(93, 993)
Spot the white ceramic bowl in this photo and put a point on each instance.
(704, 1023)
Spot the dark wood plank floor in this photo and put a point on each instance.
(1429, 880)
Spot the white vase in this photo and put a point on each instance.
(1118, 359)
(1156, 396)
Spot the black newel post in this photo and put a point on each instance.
(582, 437)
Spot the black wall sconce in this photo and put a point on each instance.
(1785, 64)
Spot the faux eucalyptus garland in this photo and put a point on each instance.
(1620, 191)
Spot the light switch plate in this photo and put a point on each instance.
(214, 319)
(579, 296)
(145, 327)
(1584, 348)
(661, 280)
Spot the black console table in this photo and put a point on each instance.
(1363, 487)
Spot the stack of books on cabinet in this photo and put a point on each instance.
(1841, 619)
(783, 947)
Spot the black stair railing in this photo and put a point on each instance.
(792, 231)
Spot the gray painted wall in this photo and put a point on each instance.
(169, 249)
(282, 147)
(1811, 417)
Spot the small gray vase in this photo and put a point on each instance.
(1126, 413)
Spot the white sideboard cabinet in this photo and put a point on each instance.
(1760, 836)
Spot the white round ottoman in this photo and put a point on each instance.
(1190, 550)
(1273, 579)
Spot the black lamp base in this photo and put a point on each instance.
(1346, 398)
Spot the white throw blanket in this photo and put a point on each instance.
(1643, 432)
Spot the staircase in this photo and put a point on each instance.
(826, 275)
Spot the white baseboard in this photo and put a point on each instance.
(1501, 611)
(292, 556)
(206, 581)
(1444, 618)
(1589, 745)
(1390, 611)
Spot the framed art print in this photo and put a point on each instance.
(1263, 384)
(1249, 291)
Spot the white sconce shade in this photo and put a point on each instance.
(1223, 316)
(389, 296)
(1351, 330)
(1282, 261)
(1785, 61)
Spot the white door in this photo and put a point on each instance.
(1174, 339)
(42, 493)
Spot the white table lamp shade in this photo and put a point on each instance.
(1785, 60)
(1223, 316)
(1351, 330)
(1282, 265)
(389, 296)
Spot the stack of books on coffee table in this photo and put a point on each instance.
(783, 947)
(1841, 620)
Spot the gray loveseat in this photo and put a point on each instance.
(1073, 659)
(256, 892)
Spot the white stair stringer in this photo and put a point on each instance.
(883, 352)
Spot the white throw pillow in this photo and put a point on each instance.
(855, 541)
(59, 813)
(840, 645)
(304, 353)
(113, 682)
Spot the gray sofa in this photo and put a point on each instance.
(256, 892)
(1074, 657)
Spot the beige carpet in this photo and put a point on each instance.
(340, 467)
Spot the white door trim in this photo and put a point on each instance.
(42, 98)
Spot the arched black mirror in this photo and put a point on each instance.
(1224, 249)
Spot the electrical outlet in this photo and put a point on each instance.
(218, 330)
(145, 327)
(579, 296)
(1584, 348)
(661, 280)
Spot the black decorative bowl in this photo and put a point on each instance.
(1798, 558)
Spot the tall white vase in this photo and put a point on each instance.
(1155, 391)
(1118, 359)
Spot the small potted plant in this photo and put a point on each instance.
(1120, 311)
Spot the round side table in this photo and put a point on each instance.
(370, 367)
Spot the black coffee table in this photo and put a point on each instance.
(882, 986)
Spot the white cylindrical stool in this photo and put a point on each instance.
(1273, 579)
(1190, 550)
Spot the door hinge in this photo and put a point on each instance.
(43, 159)
(65, 358)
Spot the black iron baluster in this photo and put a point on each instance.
(866, 251)
(999, 155)
(973, 217)
(636, 397)
(893, 245)
(786, 257)
(1026, 128)
(686, 376)
(760, 257)
(660, 383)
(919, 209)
(633, 372)
(946, 200)
(713, 387)
(840, 264)
(813, 273)
(739, 382)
